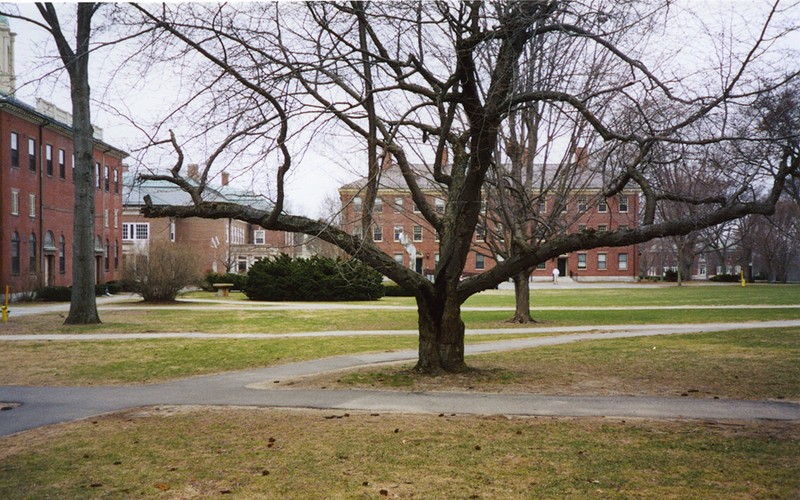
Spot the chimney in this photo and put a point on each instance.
(225, 178)
(581, 156)
(192, 171)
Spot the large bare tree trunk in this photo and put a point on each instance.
(522, 296)
(441, 336)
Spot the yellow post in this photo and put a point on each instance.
(5, 307)
(742, 275)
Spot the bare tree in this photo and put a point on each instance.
(429, 82)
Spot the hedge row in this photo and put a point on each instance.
(315, 279)
(64, 293)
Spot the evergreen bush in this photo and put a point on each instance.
(238, 280)
(315, 279)
(55, 294)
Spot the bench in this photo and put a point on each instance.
(223, 289)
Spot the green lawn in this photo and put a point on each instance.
(256, 453)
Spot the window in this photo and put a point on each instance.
(480, 233)
(107, 256)
(602, 227)
(136, 231)
(116, 254)
(623, 204)
(601, 262)
(378, 205)
(14, 150)
(48, 157)
(172, 231)
(417, 232)
(398, 257)
(480, 261)
(357, 231)
(106, 178)
(73, 167)
(541, 265)
(62, 255)
(542, 206)
(436, 260)
(357, 204)
(97, 177)
(398, 205)
(116, 218)
(62, 165)
(14, 202)
(582, 203)
(439, 205)
(15, 253)
(241, 265)
(32, 154)
(377, 233)
(398, 232)
(602, 207)
(32, 254)
(32, 206)
(259, 237)
(622, 261)
(116, 181)
(49, 241)
(581, 261)
(415, 208)
(105, 217)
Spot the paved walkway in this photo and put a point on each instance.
(48, 405)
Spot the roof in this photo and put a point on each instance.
(28, 112)
(167, 193)
(592, 177)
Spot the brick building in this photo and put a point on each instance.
(36, 207)
(400, 230)
(222, 245)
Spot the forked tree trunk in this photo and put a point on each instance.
(522, 296)
(441, 336)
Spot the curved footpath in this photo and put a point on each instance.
(49, 405)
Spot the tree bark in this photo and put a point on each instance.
(441, 335)
(522, 295)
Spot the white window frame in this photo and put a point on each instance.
(15, 147)
(357, 204)
(623, 203)
(583, 259)
(602, 206)
(480, 262)
(439, 204)
(260, 237)
(15, 202)
(397, 232)
(417, 232)
(105, 217)
(377, 233)
(622, 261)
(398, 205)
(32, 206)
(602, 261)
(398, 257)
(582, 204)
(172, 231)
(116, 218)
(378, 208)
(133, 231)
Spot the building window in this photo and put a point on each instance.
(398, 257)
(480, 233)
(378, 205)
(439, 203)
(241, 265)
(97, 178)
(415, 208)
(436, 260)
(602, 207)
(73, 167)
(62, 255)
(14, 150)
(622, 261)
(32, 253)
(116, 181)
(105, 217)
(32, 154)
(623, 204)
(107, 255)
(135, 231)
(541, 265)
(581, 261)
(398, 233)
(116, 254)
(106, 178)
(542, 205)
(32, 206)
(377, 233)
(48, 158)
(602, 228)
(172, 231)
(601, 262)
(357, 204)
(417, 232)
(398, 205)
(357, 231)
(62, 165)
(259, 237)
(480, 261)
(116, 218)
(582, 204)
(14, 202)
(15, 253)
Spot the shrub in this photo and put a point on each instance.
(317, 278)
(238, 280)
(671, 275)
(55, 293)
(160, 275)
(725, 278)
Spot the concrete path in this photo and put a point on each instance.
(49, 405)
